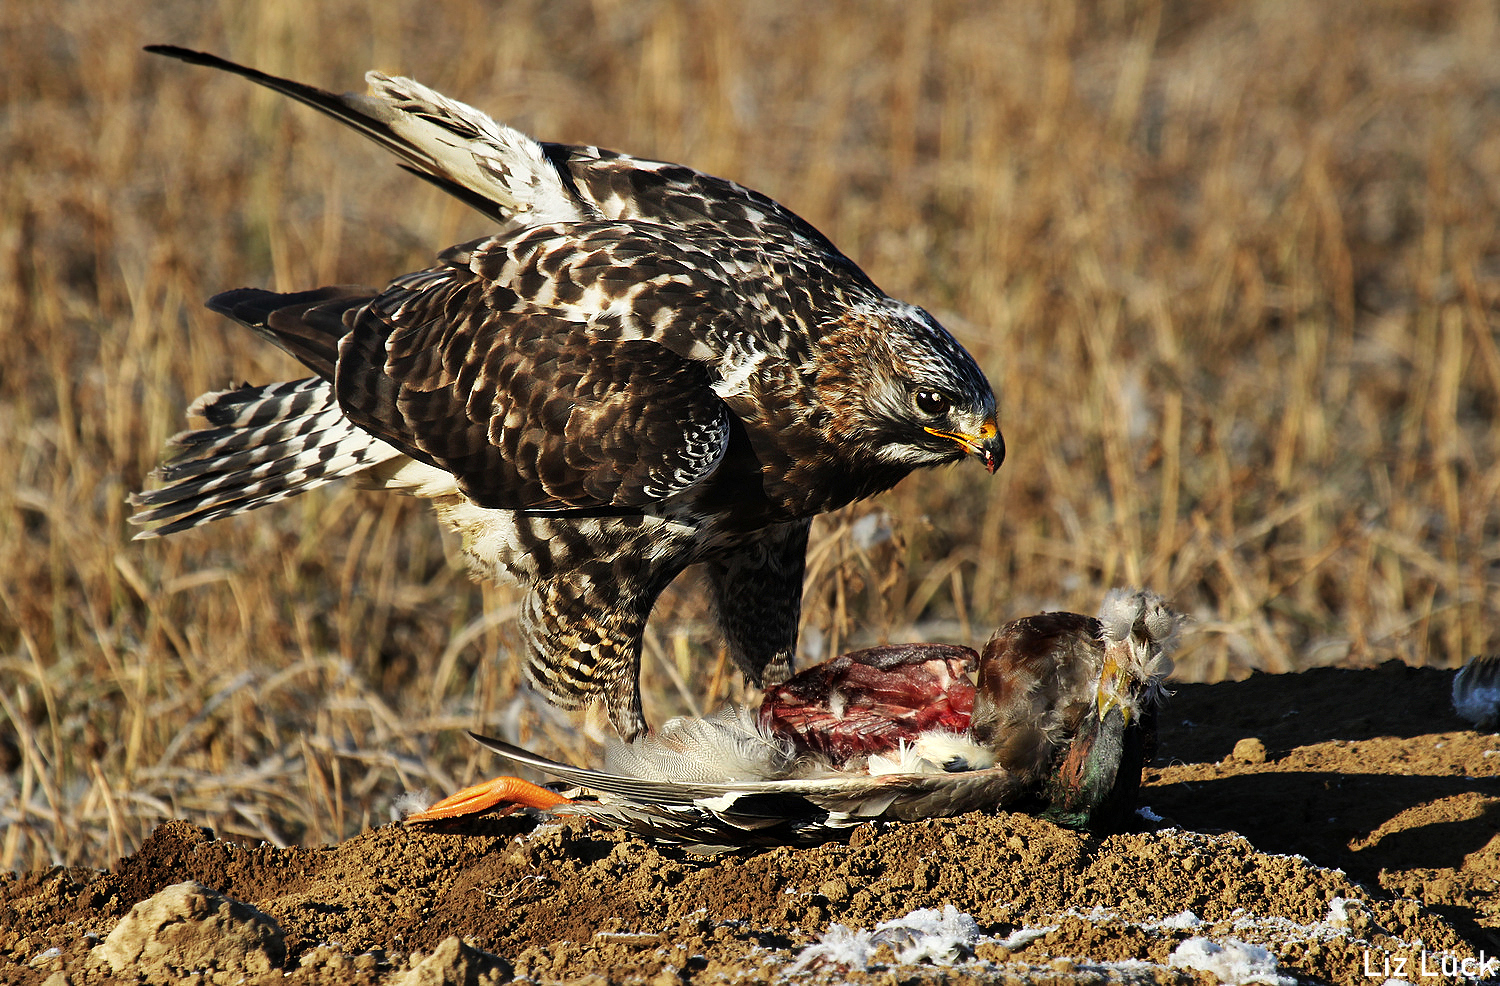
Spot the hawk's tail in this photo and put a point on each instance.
(263, 444)
(494, 168)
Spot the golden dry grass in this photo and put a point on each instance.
(1232, 268)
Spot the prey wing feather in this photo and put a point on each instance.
(644, 791)
(850, 796)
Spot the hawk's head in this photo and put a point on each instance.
(903, 388)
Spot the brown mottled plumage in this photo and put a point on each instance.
(643, 367)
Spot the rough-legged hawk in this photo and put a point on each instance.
(643, 367)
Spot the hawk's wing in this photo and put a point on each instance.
(576, 366)
(618, 186)
(494, 168)
(507, 175)
(525, 409)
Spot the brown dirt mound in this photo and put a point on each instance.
(1365, 771)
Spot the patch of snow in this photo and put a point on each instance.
(1180, 922)
(1021, 937)
(925, 935)
(1130, 969)
(1295, 857)
(1278, 928)
(1146, 814)
(943, 937)
(1338, 911)
(1276, 925)
(838, 946)
(1234, 962)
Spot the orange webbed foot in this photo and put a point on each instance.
(512, 792)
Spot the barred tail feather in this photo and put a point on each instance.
(264, 444)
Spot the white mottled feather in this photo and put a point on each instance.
(724, 748)
(469, 147)
(936, 751)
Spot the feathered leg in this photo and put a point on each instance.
(585, 645)
(757, 592)
(584, 630)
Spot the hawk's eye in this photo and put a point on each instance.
(932, 402)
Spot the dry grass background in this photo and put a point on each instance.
(1231, 266)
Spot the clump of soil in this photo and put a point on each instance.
(1365, 816)
(189, 928)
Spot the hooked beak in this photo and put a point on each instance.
(988, 445)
